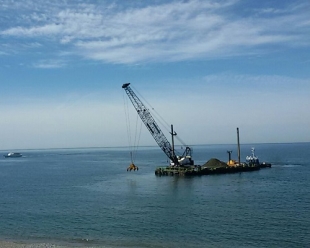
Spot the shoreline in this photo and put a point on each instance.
(19, 244)
(25, 244)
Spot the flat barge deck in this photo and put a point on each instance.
(197, 170)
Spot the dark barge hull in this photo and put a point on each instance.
(197, 170)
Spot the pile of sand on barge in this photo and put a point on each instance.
(215, 163)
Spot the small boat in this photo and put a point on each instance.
(254, 161)
(13, 155)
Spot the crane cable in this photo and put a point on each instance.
(137, 138)
(133, 147)
(126, 109)
(159, 118)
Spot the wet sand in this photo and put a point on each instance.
(9, 244)
(6, 244)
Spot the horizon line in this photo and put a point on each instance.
(145, 146)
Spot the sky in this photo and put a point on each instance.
(205, 66)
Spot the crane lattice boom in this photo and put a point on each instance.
(151, 124)
(158, 135)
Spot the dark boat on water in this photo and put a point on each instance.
(13, 155)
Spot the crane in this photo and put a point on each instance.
(158, 135)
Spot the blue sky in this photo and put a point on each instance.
(206, 66)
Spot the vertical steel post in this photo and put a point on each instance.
(172, 139)
(238, 146)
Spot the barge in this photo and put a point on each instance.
(198, 170)
(213, 167)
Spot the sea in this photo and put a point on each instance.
(87, 198)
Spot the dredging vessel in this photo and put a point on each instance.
(183, 164)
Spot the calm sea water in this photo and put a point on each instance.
(85, 197)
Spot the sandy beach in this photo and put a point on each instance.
(9, 244)
(6, 244)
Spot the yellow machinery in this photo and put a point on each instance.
(132, 167)
(232, 162)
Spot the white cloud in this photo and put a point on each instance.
(173, 31)
(49, 64)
